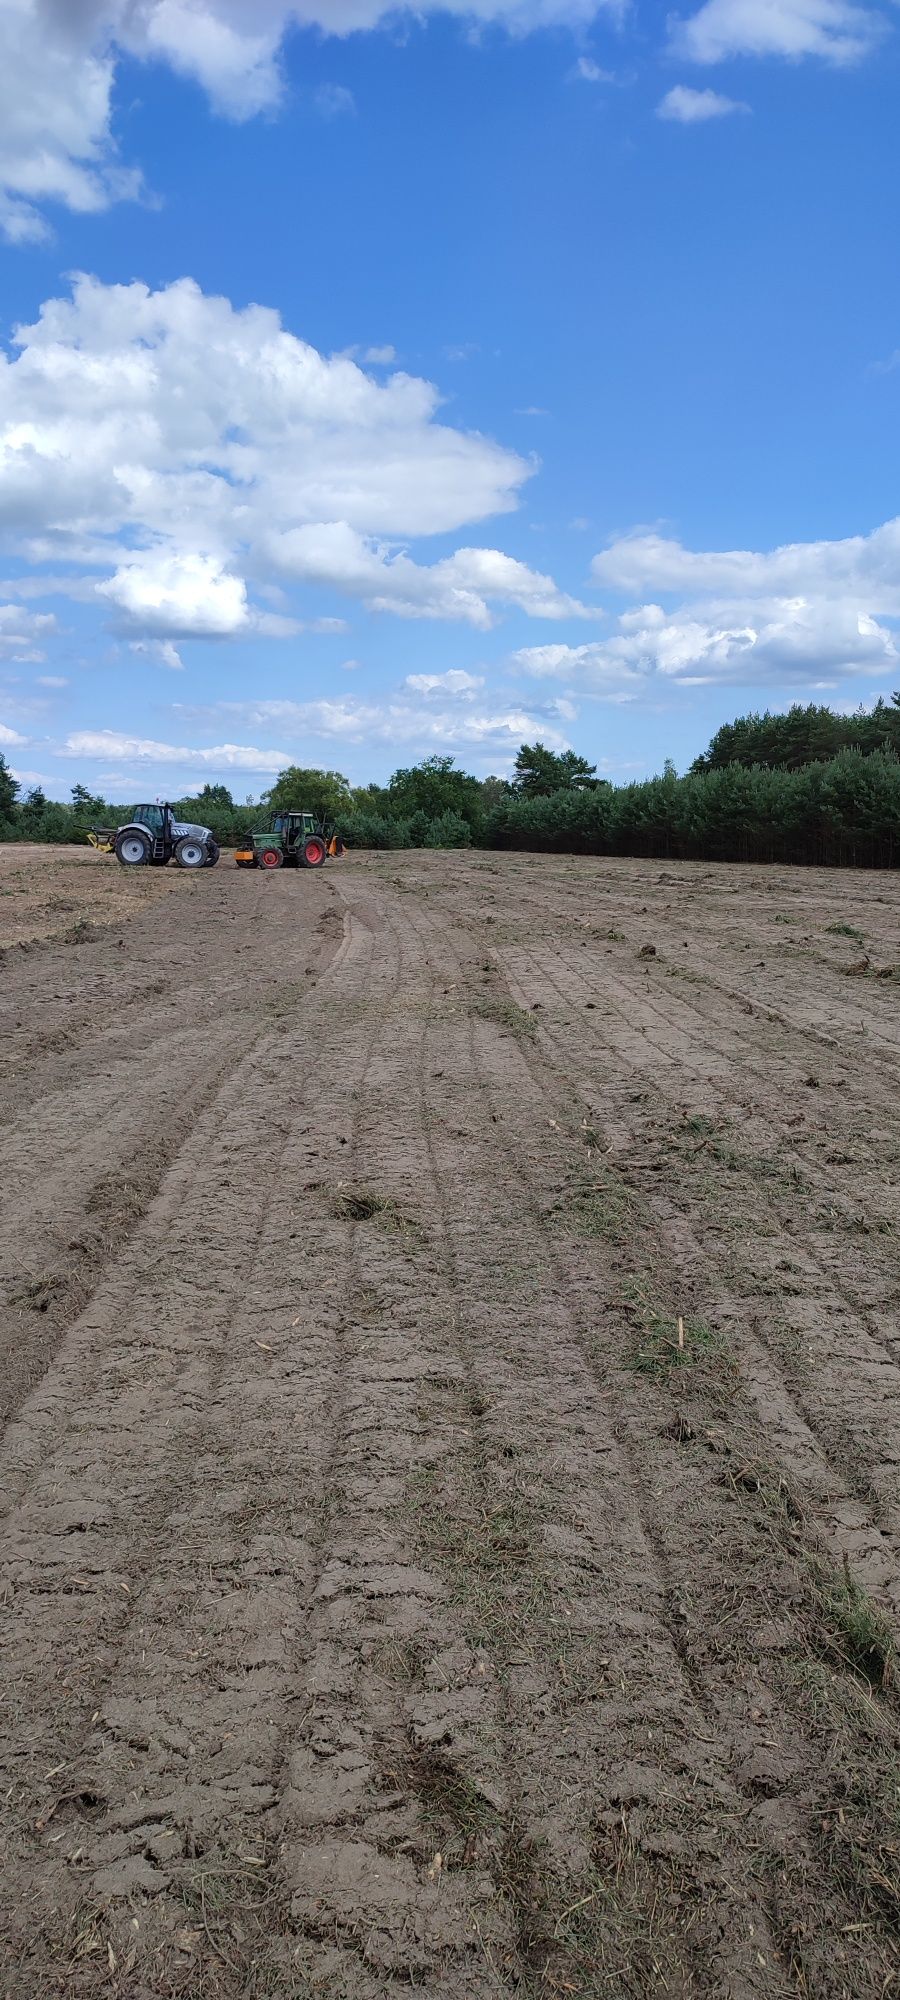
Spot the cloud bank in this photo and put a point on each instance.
(806, 616)
(59, 60)
(190, 453)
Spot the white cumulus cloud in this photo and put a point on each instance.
(142, 750)
(159, 649)
(466, 586)
(23, 633)
(684, 106)
(56, 78)
(334, 100)
(10, 738)
(791, 643)
(186, 595)
(456, 681)
(192, 451)
(837, 31)
(58, 62)
(805, 615)
(865, 566)
(399, 720)
(586, 70)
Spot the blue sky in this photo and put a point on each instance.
(520, 369)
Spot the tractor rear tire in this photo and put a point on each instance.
(191, 853)
(271, 857)
(134, 850)
(314, 851)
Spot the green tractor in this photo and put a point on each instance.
(295, 840)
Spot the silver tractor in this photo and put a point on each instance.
(154, 836)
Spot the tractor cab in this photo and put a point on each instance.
(294, 840)
(293, 827)
(155, 818)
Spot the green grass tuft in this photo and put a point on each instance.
(664, 1343)
(860, 1632)
(506, 1014)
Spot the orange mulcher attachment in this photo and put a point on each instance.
(335, 846)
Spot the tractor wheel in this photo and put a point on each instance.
(314, 851)
(191, 853)
(134, 849)
(212, 853)
(271, 857)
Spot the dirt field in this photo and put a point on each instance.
(63, 895)
(451, 1464)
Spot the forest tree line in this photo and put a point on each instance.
(804, 786)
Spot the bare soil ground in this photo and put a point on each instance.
(451, 1464)
(63, 895)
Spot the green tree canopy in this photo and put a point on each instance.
(88, 808)
(9, 792)
(492, 791)
(801, 735)
(305, 789)
(216, 798)
(40, 818)
(540, 771)
(434, 787)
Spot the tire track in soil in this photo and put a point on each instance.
(370, 1908)
(733, 1649)
(769, 1740)
(459, 1721)
(813, 1420)
(868, 1080)
(348, 1697)
(783, 1741)
(88, 1157)
(611, 1625)
(678, 1045)
(227, 1654)
(110, 1434)
(636, 1044)
(739, 1060)
(137, 1845)
(678, 918)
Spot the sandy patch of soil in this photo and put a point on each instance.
(64, 895)
(453, 1427)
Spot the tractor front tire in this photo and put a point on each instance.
(191, 853)
(271, 857)
(212, 853)
(314, 851)
(133, 850)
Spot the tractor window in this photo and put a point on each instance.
(149, 816)
(279, 823)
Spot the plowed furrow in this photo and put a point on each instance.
(850, 1381)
